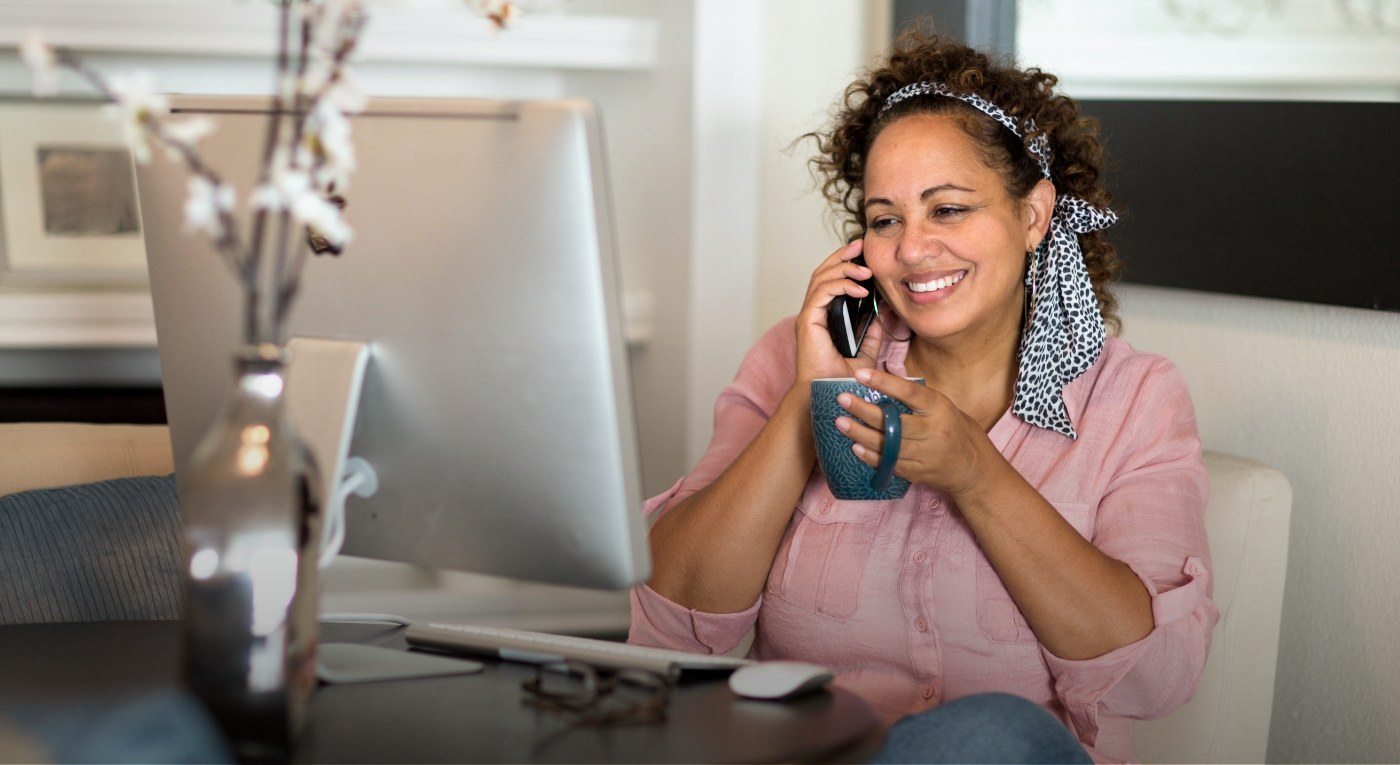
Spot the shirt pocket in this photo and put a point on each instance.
(822, 558)
(998, 616)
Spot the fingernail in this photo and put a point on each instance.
(842, 424)
(863, 375)
(858, 449)
(844, 400)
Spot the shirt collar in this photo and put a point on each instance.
(896, 350)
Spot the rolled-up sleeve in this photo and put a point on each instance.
(1151, 517)
(741, 411)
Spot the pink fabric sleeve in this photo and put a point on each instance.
(743, 408)
(1152, 517)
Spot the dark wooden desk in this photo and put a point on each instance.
(469, 718)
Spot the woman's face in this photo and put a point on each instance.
(946, 242)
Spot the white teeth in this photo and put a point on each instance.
(938, 284)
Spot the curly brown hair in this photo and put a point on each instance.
(919, 56)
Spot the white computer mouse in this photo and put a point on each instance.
(778, 679)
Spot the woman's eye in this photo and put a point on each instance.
(945, 211)
(881, 223)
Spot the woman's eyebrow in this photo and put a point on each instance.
(923, 197)
(928, 192)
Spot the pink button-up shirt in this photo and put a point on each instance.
(898, 598)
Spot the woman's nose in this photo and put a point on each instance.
(918, 244)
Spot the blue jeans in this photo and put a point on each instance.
(985, 728)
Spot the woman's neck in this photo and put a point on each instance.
(976, 369)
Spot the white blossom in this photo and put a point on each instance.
(206, 204)
(329, 131)
(39, 57)
(322, 217)
(324, 77)
(136, 102)
(331, 10)
(318, 73)
(186, 132)
(290, 190)
(346, 95)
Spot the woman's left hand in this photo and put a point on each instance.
(941, 446)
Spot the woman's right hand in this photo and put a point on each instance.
(817, 356)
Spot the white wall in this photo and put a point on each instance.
(800, 66)
(1314, 391)
(809, 59)
(647, 126)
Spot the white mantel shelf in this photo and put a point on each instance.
(439, 33)
(125, 319)
(59, 319)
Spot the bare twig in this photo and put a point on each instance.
(274, 131)
(298, 130)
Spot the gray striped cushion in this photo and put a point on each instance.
(94, 552)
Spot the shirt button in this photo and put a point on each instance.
(928, 691)
(826, 507)
(935, 503)
(919, 557)
(921, 624)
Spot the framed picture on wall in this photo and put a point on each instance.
(68, 209)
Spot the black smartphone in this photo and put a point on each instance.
(848, 318)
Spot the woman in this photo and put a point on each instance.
(1051, 553)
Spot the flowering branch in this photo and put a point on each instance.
(302, 175)
(148, 114)
(325, 151)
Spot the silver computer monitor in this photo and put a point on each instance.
(496, 407)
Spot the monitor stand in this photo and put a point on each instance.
(324, 380)
(345, 663)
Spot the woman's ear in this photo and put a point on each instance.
(1039, 205)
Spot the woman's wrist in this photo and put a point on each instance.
(799, 396)
(795, 407)
(988, 473)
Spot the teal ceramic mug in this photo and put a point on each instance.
(847, 475)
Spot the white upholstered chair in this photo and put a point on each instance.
(1228, 720)
(1247, 521)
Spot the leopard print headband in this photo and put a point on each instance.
(1066, 332)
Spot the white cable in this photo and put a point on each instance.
(333, 533)
(360, 480)
(366, 618)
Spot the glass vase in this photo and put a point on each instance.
(252, 533)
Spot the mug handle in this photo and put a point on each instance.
(890, 453)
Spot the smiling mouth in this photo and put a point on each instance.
(936, 284)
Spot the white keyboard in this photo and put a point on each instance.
(544, 648)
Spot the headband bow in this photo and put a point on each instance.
(1066, 332)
